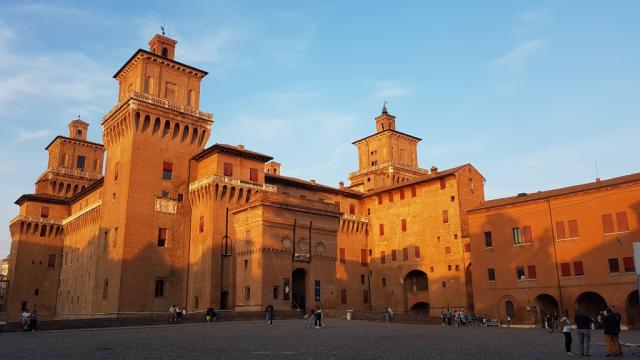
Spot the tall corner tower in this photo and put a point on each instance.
(385, 158)
(151, 136)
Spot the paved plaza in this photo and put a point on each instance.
(292, 339)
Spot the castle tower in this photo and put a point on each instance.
(387, 157)
(151, 136)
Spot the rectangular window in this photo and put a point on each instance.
(405, 254)
(416, 252)
(516, 236)
(526, 234)
(383, 259)
(491, 274)
(228, 169)
(531, 272)
(365, 296)
(520, 272)
(52, 261)
(342, 255)
(379, 199)
(413, 191)
(621, 218)
(361, 279)
(447, 250)
(394, 255)
(560, 230)
(614, 266)
(352, 209)
(578, 268)
(253, 175)
(629, 264)
(115, 237)
(445, 216)
(167, 170)
(607, 223)
(467, 247)
(443, 184)
(276, 292)
(162, 237)
(343, 296)
(488, 240)
(159, 291)
(44, 212)
(381, 229)
(390, 196)
(105, 289)
(80, 162)
(201, 224)
(384, 282)
(565, 269)
(247, 293)
(403, 223)
(401, 194)
(363, 257)
(116, 169)
(573, 228)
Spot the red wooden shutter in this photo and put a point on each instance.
(201, 227)
(379, 199)
(393, 255)
(629, 264)
(445, 216)
(526, 232)
(383, 259)
(443, 184)
(228, 169)
(405, 254)
(381, 229)
(401, 194)
(342, 255)
(416, 250)
(447, 250)
(253, 174)
(573, 228)
(352, 209)
(404, 225)
(621, 218)
(578, 269)
(167, 166)
(560, 230)
(565, 269)
(607, 223)
(531, 269)
(363, 257)
(413, 191)
(390, 195)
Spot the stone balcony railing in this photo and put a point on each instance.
(389, 164)
(363, 219)
(73, 172)
(35, 219)
(231, 181)
(160, 102)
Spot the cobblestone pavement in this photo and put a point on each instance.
(292, 339)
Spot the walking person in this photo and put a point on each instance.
(269, 314)
(211, 315)
(566, 331)
(508, 321)
(178, 313)
(25, 319)
(172, 314)
(611, 325)
(549, 322)
(318, 317)
(583, 323)
(33, 320)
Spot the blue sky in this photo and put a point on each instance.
(532, 93)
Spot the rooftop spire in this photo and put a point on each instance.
(384, 107)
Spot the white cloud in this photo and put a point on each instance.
(522, 54)
(391, 90)
(32, 135)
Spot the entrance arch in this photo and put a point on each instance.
(545, 304)
(298, 289)
(591, 303)
(633, 309)
(420, 308)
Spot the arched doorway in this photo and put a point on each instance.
(545, 304)
(224, 300)
(509, 309)
(633, 309)
(591, 303)
(298, 289)
(420, 308)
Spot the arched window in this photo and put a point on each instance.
(159, 288)
(79, 134)
(165, 52)
(509, 308)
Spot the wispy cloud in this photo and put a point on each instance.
(534, 16)
(288, 51)
(32, 135)
(391, 90)
(522, 54)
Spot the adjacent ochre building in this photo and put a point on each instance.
(163, 220)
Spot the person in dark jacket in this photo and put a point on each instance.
(583, 323)
(611, 328)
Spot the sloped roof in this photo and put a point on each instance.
(233, 150)
(419, 179)
(304, 184)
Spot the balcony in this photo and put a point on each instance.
(231, 181)
(35, 219)
(162, 103)
(72, 172)
(389, 164)
(363, 219)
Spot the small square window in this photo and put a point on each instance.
(228, 169)
(253, 175)
(491, 274)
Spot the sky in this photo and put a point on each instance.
(535, 94)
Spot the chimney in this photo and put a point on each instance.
(522, 194)
(313, 181)
(434, 170)
(341, 185)
(597, 179)
(240, 146)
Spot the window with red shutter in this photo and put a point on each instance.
(416, 252)
(342, 255)
(401, 194)
(573, 228)
(379, 199)
(352, 209)
(201, 225)
(228, 169)
(253, 175)
(167, 170)
(531, 270)
(363, 257)
(405, 254)
(560, 230)
(381, 229)
(404, 224)
(44, 212)
(393, 255)
(447, 250)
(383, 259)
(621, 218)
(629, 264)
(578, 269)
(443, 184)
(390, 195)
(413, 191)
(607, 223)
(467, 247)
(526, 233)
(565, 269)
(445, 216)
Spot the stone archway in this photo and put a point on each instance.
(590, 303)
(415, 288)
(633, 309)
(298, 289)
(545, 304)
(420, 308)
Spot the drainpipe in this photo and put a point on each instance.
(555, 257)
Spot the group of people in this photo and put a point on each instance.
(29, 320)
(315, 317)
(609, 322)
(457, 318)
(176, 313)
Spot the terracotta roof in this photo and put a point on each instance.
(79, 122)
(308, 185)
(543, 195)
(72, 139)
(419, 179)
(86, 191)
(233, 150)
(386, 131)
(141, 51)
(43, 198)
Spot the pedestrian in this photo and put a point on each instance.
(566, 331)
(25, 319)
(318, 317)
(33, 320)
(172, 314)
(312, 317)
(549, 322)
(211, 315)
(178, 313)
(583, 323)
(184, 313)
(556, 322)
(612, 333)
(443, 317)
(390, 313)
(508, 320)
(386, 315)
(269, 314)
